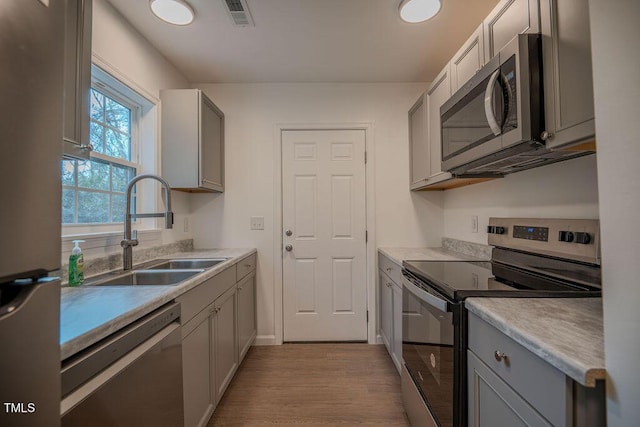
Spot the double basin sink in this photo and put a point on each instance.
(161, 272)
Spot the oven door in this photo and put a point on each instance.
(428, 350)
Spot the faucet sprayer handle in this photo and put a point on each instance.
(168, 220)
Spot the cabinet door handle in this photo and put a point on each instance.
(247, 266)
(500, 356)
(389, 268)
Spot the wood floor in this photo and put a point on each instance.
(313, 384)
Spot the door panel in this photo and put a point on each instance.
(323, 196)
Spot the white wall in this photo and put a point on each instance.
(561, 190)
(252, 112)
(127, 55)
(616, 60)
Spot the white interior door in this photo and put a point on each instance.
(323, 235)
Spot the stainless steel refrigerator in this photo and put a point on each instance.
(31, 97)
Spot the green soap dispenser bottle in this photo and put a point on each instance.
(76, 265)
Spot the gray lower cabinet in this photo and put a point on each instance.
(196, 372)
(218, 328)
(390, 297)
(396, 355)
(224, 340)
(386, 311)
(507, 385)
(493, 403)
(77, 78)
(247, 328)
(192, 141)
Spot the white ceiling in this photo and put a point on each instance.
(309, 40)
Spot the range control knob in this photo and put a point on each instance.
(583, 238)
(566, 236)
(496, 229)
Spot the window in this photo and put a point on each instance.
(93, 191)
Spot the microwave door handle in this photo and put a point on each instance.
(488, 104)
(509, 94)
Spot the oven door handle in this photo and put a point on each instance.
(488, 104)
(425, 296)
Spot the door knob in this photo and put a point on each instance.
(288, 248)
(288, 232)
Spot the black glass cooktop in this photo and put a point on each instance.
(458, 280)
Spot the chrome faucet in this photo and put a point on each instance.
(130, 241)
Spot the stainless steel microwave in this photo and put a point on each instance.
(494, 124)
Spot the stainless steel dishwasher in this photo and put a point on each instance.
(131, 378)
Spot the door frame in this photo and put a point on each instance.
(368, 128)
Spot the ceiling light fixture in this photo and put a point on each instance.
(413, 11)
(177, 12)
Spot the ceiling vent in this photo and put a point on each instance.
(239, 12)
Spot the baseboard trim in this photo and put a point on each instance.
(265, 340)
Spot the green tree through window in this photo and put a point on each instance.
(93, 191)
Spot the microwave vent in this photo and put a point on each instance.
(516, 162)
(239, 13)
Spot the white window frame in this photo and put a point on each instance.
(144, 155)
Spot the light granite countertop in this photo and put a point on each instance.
(90, 313)
(565, 332)
(398, 255)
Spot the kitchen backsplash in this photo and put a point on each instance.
(468, 248)
(93, 266)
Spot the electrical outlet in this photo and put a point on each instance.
(186, 225)
(257, 223)
(474, 223)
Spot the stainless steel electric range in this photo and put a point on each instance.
(532, 258)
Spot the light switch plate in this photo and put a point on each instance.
(474, 223)
(257, 223)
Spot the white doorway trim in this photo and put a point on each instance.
(368, 128)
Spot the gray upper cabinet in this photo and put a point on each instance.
(192, 141)
(418, 144)
(438, 94)
(508, 19)
(77, 79)
(468, 60)
(568, 81)
(566, 47)
(425, 142)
